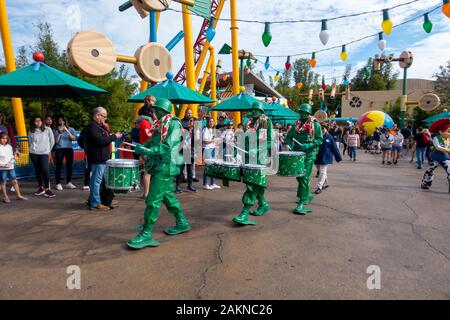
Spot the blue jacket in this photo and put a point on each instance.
(327, 150)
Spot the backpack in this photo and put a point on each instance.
(424, 139)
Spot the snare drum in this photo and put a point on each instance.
(255, 174)
(291, 163)
(232, 171)
(214, 168)
(122, 174)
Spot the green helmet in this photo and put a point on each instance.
(258, 106)
(305, 108)
(164, 104)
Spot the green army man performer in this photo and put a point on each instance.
(261, 127)
(163, 163)
(308, 136)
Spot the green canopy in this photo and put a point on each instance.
(39, 80)
(172, 91)
(436, 117)
(282, 113)
(240, 102)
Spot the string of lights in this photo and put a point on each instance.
(307, 20)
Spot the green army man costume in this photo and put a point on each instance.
(258, 122)
(163, 159)
(308, 133)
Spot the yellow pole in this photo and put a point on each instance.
(189, 58)
(202, 57)
(205, 75)
(11, 66)
(213, 83)
(235, 55)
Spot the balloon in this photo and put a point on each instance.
(299, 85)
(374, 119)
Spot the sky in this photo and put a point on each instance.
(128, 31)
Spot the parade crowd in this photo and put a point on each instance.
(50, 140)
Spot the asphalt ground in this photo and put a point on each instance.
(372, 217)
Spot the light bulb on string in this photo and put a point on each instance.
(446, 8)
(381, 41)
(249, 62)
(267, 63)
(299, 85)
(313, 60)
(324, 35)
(344, 54)
(277, 76)
(386, 25)
(266, 36)
(288, 63)
(427, 24)
(211, 31)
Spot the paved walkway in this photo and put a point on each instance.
(370, 215)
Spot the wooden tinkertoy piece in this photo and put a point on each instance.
(93, 54)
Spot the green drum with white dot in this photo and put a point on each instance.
(291, 163)
(122, 174)
(255, 174)
(232, 171)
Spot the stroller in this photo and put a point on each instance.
(371, 145)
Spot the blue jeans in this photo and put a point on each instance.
(352, 152)
(420, 153)
(98, 171)
(209, 154)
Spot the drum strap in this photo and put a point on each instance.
(307, 126)
(162, 126)
(260, 123)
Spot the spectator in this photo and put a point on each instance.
(221, 125)
(41, 141)
(209, 151)
(327, 151)
(87, 166)
(422, 140)
(406, 133)
(8, 129)
(7, 159)
(228, 138)
(387, 140)
(377, 139)
(397, 145)
(145, 123)
(188, 156)
(336, 133)
(49, 123)
(239, 133)
(64, 135)
(186, 122)
(353, 142)
(345, 139)
(429, 145)
(98, 141)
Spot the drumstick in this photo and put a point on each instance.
(240, 149)
(296, 142)
(122, 149)
(130, 144)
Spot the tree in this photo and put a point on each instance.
(22, 57)
(367, 79)
(118, 83)
(442, 84)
